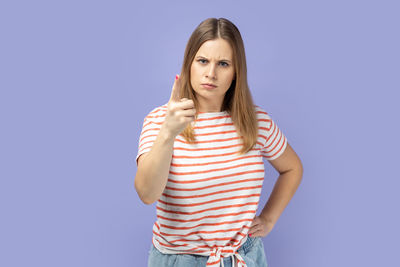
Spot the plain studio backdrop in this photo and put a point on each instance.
(77, 79)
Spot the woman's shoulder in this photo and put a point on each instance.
(261, 112)
(157, 113)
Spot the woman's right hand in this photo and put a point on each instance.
(180, 112)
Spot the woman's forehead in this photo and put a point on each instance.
(218, 49)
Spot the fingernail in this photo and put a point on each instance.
(249, 234)
(176, 77)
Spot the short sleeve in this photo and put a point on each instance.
(150, 129)
(275, 141)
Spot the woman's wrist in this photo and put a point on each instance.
(166, 134)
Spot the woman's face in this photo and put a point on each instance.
(212, 64)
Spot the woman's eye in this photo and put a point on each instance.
(223, 63)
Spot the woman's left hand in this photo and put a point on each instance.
(260, 227)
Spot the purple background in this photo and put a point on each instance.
(78, 77)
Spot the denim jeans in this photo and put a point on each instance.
(252, 252)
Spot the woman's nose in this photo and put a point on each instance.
(211, 71)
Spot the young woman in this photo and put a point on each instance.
(201, 158)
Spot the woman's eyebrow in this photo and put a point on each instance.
(220, 59)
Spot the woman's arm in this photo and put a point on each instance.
(153, 168)
(291, 171)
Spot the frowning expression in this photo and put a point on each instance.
(212, 64)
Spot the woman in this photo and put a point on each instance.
(201, 158)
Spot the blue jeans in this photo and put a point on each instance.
(252, 252)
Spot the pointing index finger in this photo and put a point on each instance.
(175, 89)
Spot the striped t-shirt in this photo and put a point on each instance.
(212, 194)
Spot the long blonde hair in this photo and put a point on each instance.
(238, 101)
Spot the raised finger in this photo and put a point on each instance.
(175, 90)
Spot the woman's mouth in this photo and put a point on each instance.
(208, 86)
